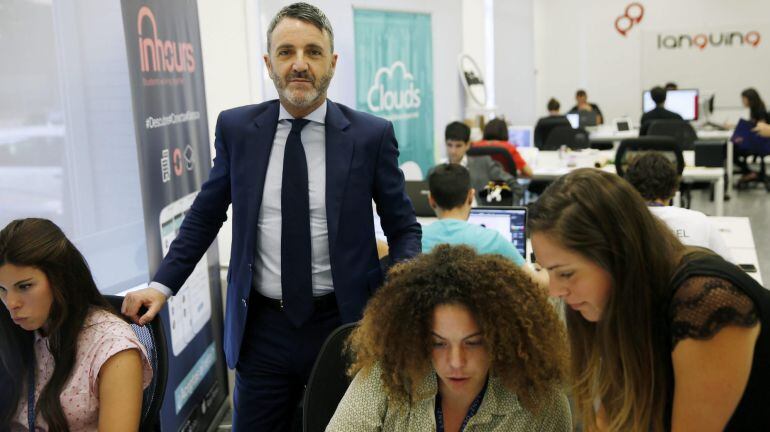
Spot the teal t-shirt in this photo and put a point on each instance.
(456, 232)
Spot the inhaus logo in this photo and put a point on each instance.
(158, 55)
(702, 41)
(632, 15)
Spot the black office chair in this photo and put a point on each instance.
(680, 130)
(544, 127)
(633, 146)
(328, 381)
(498, 153)
(153, 337)
(575, 139)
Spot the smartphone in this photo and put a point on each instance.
(748, 268)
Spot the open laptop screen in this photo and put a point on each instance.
(510, 222)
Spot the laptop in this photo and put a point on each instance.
(710, 153)
(418, 192)
(510, 222)
(588, 118)
(520, 136)
(622, 124)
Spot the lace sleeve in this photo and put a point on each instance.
(703, 305)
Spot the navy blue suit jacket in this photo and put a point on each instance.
(361, 165)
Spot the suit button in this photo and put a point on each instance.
(251, 267)
(245, 302)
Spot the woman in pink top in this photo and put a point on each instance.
(56, 330)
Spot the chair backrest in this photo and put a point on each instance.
(153, 337)
(544, 127)
(631, 147)
(575, 139)
(680, 130)
(328, 381)
(496, 152)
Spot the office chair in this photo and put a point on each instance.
(632, 146)
(575, 139)
(496, 152)
(680, 130)
(153, 338)
(328, 381)
(544, 127)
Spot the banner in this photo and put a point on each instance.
(394, 77)
(169, 104)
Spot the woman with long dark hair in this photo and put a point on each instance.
(663, 337)
(63, 351)
(757, 114)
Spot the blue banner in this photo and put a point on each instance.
(394, 77)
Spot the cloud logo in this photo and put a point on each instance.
(384, 95)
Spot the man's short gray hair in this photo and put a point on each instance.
(303, 12)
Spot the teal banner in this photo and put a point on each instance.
(394, 78)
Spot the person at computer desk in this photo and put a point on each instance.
(658, 95)
(64, 351)
(456, 341)
(656, 179)
(496, 135)
(581, 97)
(757, 114)
(483, 169)
(663, 337)
(451, 197)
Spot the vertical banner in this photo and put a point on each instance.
(164, 60)
(394, 77)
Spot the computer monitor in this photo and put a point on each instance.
(520, 136)
(574, 120)
(418, 192)
(682, 102)
(510, 222)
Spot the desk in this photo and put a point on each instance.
(736, 232)
(546, 165)
(608, 133)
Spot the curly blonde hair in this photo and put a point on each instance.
(525, 339)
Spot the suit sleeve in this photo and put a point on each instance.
(201, 225)
(393, 205)
(496, 172)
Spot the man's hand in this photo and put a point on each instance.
(150, 298)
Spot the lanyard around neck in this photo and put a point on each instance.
(31, 395)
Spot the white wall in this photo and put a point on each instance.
(577, 46)
(515, 60)
(446, 23)
(230, 70)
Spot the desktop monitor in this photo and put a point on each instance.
(510, 222)
(520, 136)
(682, 102)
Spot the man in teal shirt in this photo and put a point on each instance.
(451, 196)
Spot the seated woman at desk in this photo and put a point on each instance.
(663, 337)
(63, 351)
(456, 341)
(757, 114)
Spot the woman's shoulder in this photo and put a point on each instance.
(552, 412)
(100, 322)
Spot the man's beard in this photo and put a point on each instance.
(302, 98)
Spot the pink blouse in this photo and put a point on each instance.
(103, 336)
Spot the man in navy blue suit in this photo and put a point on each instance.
(301, 173)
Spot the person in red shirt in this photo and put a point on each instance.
(496, 134)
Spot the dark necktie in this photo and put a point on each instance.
(296, 271)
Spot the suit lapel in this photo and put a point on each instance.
(259, 151)
(339, 154)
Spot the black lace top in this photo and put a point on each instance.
(703, 305)
(707, 295)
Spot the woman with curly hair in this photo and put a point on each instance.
(663, 337)
(456, 341)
